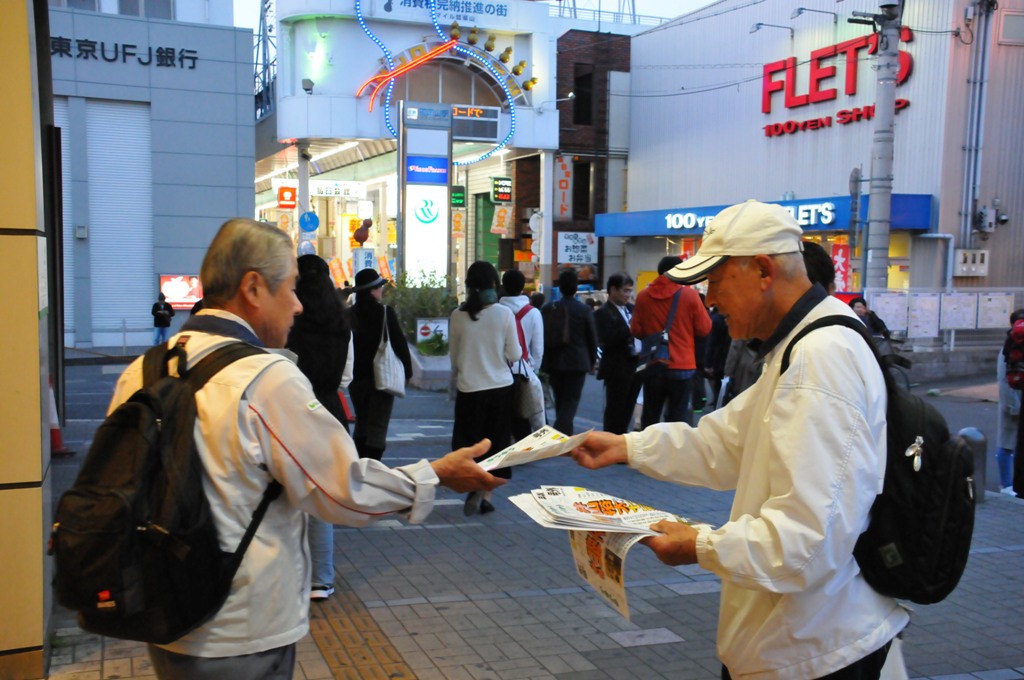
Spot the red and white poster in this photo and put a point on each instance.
(841, 260)
(563, 188)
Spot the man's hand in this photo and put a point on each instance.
(460, 473)
(600, 449)
(677, 544)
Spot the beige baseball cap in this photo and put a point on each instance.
(745, 229)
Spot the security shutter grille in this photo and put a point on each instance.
(120, 220)
(61, 120)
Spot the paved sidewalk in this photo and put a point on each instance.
(496, 597)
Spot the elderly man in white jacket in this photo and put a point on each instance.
(805, 453)
(258, 420)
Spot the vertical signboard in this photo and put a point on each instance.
(425, 153)
(841, 261)
(563, 188)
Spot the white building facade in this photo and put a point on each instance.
(157, 134)
(758, 100)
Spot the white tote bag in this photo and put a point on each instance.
(388, 371)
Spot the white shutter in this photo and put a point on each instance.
(120, 221)
(62, 120)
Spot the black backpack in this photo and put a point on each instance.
(135, 546)
(917, 542)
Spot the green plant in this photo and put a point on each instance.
(426, 296)
(434, 346)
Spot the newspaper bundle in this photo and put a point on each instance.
(602, 528)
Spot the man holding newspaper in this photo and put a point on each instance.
(804, 452)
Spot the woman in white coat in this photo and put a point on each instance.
(483, 343)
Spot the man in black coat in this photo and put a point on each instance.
(570, 349)
(618, 355)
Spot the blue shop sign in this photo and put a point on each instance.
(426, 170)
(908, 212)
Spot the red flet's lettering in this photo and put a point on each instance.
(781, 75)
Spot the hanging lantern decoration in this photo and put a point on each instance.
(505, 56)
(519, 68)
(473, 36)
(528, 85)
(454, 31)
(489, 45)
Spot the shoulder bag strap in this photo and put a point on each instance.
(672, 310)
(519, 329)
(384, 331)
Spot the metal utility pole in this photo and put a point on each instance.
(876, 273)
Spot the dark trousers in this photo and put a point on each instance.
(485, 414)
(868, 668)
(567, 387)
(666, 391)
(273, 664)
(620, 392)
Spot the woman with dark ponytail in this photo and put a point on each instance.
(483, 344)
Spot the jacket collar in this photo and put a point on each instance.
(220, 322)
(808, 301)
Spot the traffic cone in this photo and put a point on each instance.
(57, 448)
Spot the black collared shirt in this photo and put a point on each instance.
(808, 301)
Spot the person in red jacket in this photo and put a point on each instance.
(667, 383)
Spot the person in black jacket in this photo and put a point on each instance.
(875, 324)
(162, 313)
(320, 339)
(570, 349)
(618, 355)
(373, 407)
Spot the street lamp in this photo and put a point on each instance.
(800, 10)
(571, 95)
(759, 25)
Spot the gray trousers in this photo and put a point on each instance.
(273, 664)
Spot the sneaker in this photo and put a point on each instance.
(472, 505)
(486, 507)
(1008, 490)
(321, 592)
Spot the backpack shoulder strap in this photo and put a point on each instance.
(198, 376)
(218, 360)
(840, 320)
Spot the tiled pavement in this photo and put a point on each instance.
(496, 597)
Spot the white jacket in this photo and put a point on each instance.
(482, 350)
(805, 452)
(258, 420)
(533, 329)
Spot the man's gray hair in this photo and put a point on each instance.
(243, 246)
(790, 265)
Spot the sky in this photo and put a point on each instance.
(247, 12)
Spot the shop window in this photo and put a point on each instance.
(583, 89)
(582, 191)
(151, 9)
(89, 5)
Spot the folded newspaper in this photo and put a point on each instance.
(602, 528)
(547, 442)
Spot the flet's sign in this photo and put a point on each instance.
(779, 84)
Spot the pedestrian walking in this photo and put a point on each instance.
(482, 343)
(570, 349)
(320, 339)
(372, 406)
(530, 331)
(618, 354)
(667, 382)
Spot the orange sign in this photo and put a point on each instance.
(501, 221)
(287, 198)
(383, 269)
(458, 220)
(337, 272)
